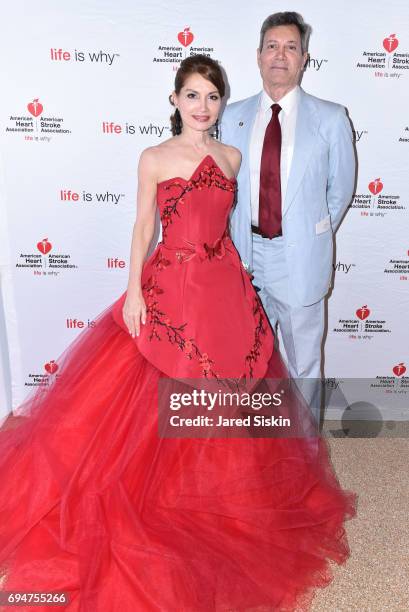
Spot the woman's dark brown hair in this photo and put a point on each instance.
(208, 68)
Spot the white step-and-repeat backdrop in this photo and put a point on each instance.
(85, 90)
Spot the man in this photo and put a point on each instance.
(295, 182)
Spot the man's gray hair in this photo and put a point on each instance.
(287, 18)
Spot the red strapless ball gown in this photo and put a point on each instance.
(94, 503)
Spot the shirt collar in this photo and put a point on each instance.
(287, 102)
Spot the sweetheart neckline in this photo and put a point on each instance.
(181, 178)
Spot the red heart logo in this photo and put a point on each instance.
(51, 367)
(363, 313)
(375, 186)
(399, 369)
(35, 107)
(44, 246)
(390, 43)
(186, 37)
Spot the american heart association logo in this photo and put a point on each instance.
(363, 313)
(399, 369)
(185, 37)
(35, 107)
(390, 43)
(51, 367)
(375, 186)
(44, 246)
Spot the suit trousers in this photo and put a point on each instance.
(301, 327)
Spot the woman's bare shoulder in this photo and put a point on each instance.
(156, 152)
(232, 156)
(163, 150)
(152, 158)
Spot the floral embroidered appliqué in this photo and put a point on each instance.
(159, 320)
(259, 331)
(210, 176)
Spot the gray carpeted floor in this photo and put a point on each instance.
(376, 576)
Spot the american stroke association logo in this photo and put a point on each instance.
(43, 262)
(36, 125)
(185, 37)
(362, 326)
(45, 378)
(398, 267)
(399, 369)
(181, 47)
(387, 61)
(395, 382)
(375, 202)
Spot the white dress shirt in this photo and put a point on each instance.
(287, 117)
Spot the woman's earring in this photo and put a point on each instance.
(216, 129)
(178, 122)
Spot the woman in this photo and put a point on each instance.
(94, 502)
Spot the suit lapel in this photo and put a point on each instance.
(244, 121)
(305, 136)
(244, 125)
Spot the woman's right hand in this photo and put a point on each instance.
(134, 312)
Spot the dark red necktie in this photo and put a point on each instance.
(270, 183)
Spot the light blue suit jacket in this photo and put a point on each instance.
(320, 187)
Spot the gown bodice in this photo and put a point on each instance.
(204, 317)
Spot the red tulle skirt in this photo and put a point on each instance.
(93, 503)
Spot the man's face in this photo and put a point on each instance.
(281, 60)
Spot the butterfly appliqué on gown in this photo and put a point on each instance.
(95, 504)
